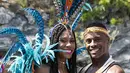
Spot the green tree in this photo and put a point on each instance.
(112, 11)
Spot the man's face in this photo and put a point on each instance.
(97, 44)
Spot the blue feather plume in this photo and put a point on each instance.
(13, 30)
(39, 36)
(76, 4)
(75, 23)
(85, 7)
(12, 50)
(60, 7)
(39, 21)
(80, 50)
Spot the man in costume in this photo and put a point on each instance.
(97, 42)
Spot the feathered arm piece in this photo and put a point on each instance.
(48, 52)
(23, 64)
(40, 22)
(10, 52)
(18, 64)
(16, 31)
(21, 38)
(25, 47)
(39, 36)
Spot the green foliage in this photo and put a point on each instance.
(98, 13)
(116, 21)
(113, 34)
(113, 11)
(0, 24)
(86, 16)
(53, 19)
(79, 38)
(113, 21)
(51, 22)
(22, 3)
(104, 2)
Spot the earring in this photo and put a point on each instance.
(67, 63)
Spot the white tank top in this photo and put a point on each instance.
(103, 69)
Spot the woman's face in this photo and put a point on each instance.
(66, 42)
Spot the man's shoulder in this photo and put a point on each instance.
(85, 68)
(115, 69)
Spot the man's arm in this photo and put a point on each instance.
(115, 69)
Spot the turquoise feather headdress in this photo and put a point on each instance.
(77, 7)
(66, 8)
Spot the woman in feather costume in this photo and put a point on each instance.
(65, 62)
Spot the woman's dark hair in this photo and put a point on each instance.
(54, 38)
